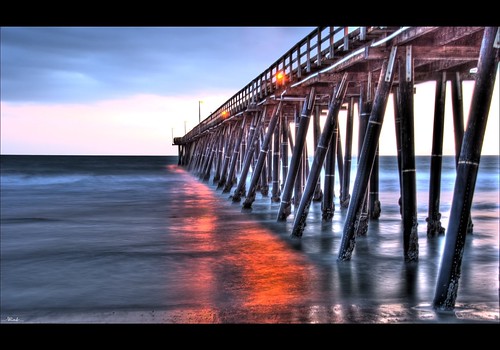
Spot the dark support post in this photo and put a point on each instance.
(458, 113)
(340, 162)
(190, 149)
(458, 123)
(195, 145)
(275, 196)
(408, 170)
(297, 191)
(253, 135)
(263, 183)
(218, 165)
(269, 163)
(206, 166)
(200, 154)
(227, 157)
(367, 156)
(434, 219)
(374, 203)
(256, 150)
(284, 147)
(468, 165)
(328, 205)
(185, 154)
(397, 125)
(331, 124)
(290, 139)
(361, 224)
(205, 155)
(209, 163)
(250, 198)
(243, 147)
(318, 193)
(234, 157)
(285, 207)
(182, 155)
(344, 193)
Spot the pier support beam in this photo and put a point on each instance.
(331, 124)
(284, 147)
(275, 194)
(434, 219)
(234, 157)
(205, 159)
(340, 162)
(218, 165)
(366, 103)
(328, 205)
(299, 179)
(253, 135)
(458, 123)
(226, 158)
(318, 193)
(264, 149)
(344, 193)
(458, 113)
(209, 163)
(367, 155)
(285, 207)
(408, 169)
(397, 126)
(468, 165)
(374, 202)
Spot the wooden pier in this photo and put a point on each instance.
(333, 69)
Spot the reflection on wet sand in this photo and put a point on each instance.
(254, 276)
(250, 276)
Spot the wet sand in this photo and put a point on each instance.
(275, 314)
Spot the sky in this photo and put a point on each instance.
(130, 90)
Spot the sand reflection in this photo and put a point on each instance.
(248, 275)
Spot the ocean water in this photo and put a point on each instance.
(130, 239)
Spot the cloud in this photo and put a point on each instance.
(84, 64)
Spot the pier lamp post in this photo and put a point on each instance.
(199, 111)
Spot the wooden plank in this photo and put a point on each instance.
(450, 53)
(447, 35)
(411, 34)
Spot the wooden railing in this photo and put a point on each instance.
(322, 47)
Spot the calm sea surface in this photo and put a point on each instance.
(124, 239)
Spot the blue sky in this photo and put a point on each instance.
(128, 90)
(88, 64)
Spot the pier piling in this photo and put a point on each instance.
(305, 116)
(468, 166)
(240, 190)
(234, 142)
(344, 193)
(264, 149)
(234, 156)
(367, 155)
(408, 170)
(330, 124)
(434, 219)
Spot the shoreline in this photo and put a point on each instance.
(479, 313)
